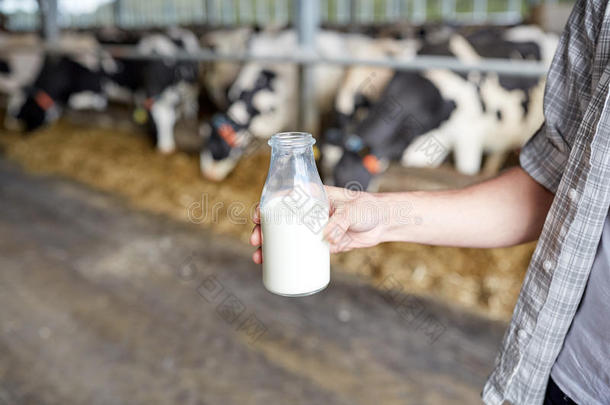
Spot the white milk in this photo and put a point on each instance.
(296, 259)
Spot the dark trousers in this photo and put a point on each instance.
(555, 396)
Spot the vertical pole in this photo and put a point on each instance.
(419, 10)
(343, 11)
(514, 8)
(367, 11)
(262, 12)
(48, 19)
(448, 9)
(245, 12)
(117, 12)
(307, 20)
(353, 12)
(211, 12)
(479, 10)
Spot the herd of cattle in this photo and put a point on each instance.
(371, 115)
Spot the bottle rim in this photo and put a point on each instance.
(290, 140)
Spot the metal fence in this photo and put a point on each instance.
(307, 15)
(147, 13)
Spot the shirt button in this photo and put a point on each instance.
(547, 265)
(522, 334)
(573, 194)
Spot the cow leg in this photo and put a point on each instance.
(428, 150)
(493, 163)
(164, 115)
(468, 152)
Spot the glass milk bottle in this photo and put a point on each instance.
(294, 210)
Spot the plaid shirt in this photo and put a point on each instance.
(570, 156)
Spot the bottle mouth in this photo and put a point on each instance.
(291, 140)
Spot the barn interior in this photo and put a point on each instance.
(126, 274)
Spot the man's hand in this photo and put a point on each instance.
(355, 221)
(256, 239)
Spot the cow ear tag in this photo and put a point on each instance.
(371, 163)
(316, 152)
(140, 116)
(43, 100)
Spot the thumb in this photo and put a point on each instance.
(336, 229)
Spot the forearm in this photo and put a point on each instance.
(504, 211)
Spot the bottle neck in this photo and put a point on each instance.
(291, 142)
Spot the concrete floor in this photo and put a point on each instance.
(101, 304)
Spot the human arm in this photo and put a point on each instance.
(504, 211)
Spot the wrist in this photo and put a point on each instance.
(398, 216)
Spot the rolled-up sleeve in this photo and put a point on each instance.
(542, 160)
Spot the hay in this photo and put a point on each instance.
(124, 163)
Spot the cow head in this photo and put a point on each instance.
(228, 135)
(226, 140)
(343, 124)
(357, 166)
(62, 81)
(30, 109)
(5, 68)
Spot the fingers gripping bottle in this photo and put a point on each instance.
(294, 210)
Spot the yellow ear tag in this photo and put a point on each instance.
(316, 152)
(140, 116)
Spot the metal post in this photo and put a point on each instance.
(211, 12)
(262, 12)
(367, 11)
(342, 11)
(117, 12)
(48, 19)
(419, 10)
(514, 8)
(392, 10)
(479, 10)
(307, 22)
(353, 11)
(245, 12)
(228, 13)
(448, 9)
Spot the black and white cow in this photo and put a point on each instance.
(508, 108)
(218, 76)
(360, 88)
(43, 83)
(422, 117)
(263, 99)
(165, 88)
(20, 60)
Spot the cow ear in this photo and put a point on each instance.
(268, 74)
(4, 67)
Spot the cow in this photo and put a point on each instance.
(360, 88)
(422, 117)
(39, 74)
(509, 107)
(263, 99)
(163, 88)
(20, 60)
(218, 76)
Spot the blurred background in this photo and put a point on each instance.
(133, 152)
